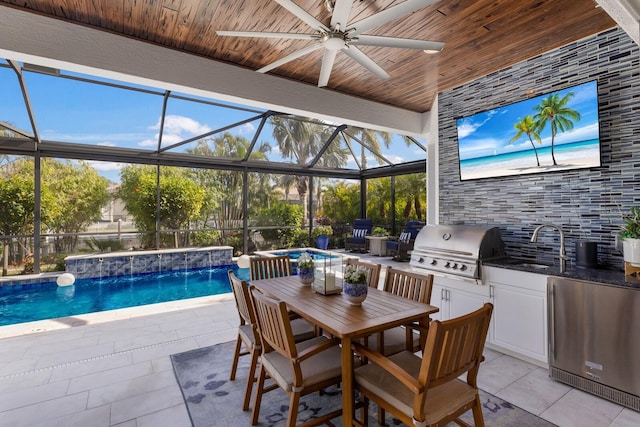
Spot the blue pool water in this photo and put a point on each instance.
(48, 301)
(295, 254)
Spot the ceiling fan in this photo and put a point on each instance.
(339, 35)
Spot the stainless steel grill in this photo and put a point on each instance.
(456, 249)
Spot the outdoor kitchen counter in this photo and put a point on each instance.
(599, 275)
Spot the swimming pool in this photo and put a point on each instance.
(38, 301)
(316, 254)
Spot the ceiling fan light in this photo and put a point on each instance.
(334, 43)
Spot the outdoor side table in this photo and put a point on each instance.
(377, 245)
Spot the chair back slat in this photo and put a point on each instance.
(371, 270)
(455, 347)
(270, 267)
(413, 286)
(243, 299)
(273, 324)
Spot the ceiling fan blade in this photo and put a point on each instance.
(302, 14)
(362, 59)
(295, 55)
(381, 41)
(327, 64)
(388, 15)
(341, 12)
(294, 36)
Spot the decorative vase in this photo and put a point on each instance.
(631, 251)
(355, 293)
(322, 242)
(306, 275)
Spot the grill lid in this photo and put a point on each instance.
(456, 249)
(461, 240)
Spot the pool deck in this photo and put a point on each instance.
(113, 369)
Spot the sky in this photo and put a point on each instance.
(73, 111)
(489, 132)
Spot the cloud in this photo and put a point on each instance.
(468, 126)
(105, 166)
(180, 124)
(246, 129)
(107, 144)
(176, 129)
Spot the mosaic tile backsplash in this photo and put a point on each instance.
(588, 204)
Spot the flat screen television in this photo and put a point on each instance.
(552, 132)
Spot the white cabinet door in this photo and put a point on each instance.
(461, 302)
(456, 297)
(438, 298)
(519, 321)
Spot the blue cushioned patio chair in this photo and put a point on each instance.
(400, 248)
(357, 241)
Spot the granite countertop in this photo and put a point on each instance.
(598, 275)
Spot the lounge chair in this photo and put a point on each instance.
(357, 241)
(400, 248)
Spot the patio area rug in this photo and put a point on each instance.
(213, 400)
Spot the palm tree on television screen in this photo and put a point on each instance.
(527, 126)
(553, 109)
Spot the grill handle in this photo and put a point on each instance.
(444, 251)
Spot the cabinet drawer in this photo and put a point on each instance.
(520, 279)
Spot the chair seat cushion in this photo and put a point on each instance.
(302, 330)
(246, 333)
(441, 401)
(394, 341)
(317, 368)
(392, 245)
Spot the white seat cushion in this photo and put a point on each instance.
(319, 367)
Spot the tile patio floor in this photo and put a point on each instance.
(113, 369)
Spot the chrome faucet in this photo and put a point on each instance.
(563, 254)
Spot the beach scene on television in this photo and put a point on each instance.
(551, 132)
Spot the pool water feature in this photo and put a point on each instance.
(39, 301)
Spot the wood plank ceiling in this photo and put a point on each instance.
(480, 36)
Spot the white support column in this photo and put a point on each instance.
(433, 169)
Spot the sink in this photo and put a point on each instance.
(533, 265)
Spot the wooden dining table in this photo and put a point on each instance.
(335, 315)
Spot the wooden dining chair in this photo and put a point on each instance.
(427, 391)
(414, 286)
(269, 267)
(372, 271)
(248, 336)
(298, 369)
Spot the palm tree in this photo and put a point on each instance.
(528, 126)
(412, 190)
(371, 139)
(553, 109)
(301, 141)
(223, 203)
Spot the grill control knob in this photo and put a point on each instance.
(420, 260)
(455, 265)
(463, 267)
(433, 262)
(447, 265)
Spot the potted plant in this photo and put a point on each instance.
(305, 269)
(355, 285)
(380, 232)
(321, 235)
(630, 236)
